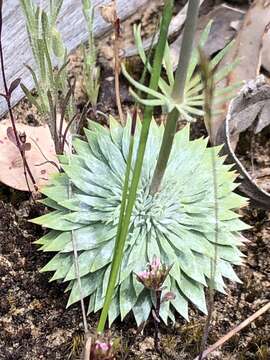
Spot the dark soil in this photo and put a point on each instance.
(35, 325)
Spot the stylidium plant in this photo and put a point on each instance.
(140, 193)
(175, 224)
(130, 192)
(46, 43)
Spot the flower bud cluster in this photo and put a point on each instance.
(155, 274)
(103, 350)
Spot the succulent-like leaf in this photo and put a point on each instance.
(177, 224)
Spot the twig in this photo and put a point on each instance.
(7, 96)
(117, 66)
(77, 272)
(64, 106)
(64, 137)
(234, 331)
(109, 14)
(156, 317)
(45, 157)
(80, 122)
(87, 347)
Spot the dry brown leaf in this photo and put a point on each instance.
(247, 49)
(108, 12)
(41, 151)
(221, 33)
(245, 111)
(266, 52)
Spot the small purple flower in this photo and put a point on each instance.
(155, 274)
(102, 346)
(103, 349)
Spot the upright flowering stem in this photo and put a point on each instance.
(121, 238)
(178, 93)
(153, 279)
(119, 244)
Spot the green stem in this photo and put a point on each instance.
(186, 50)
(116, 262)
(124, 226)
(177, 94)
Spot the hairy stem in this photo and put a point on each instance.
(27, 169)
(178, 93)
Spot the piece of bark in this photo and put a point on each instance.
(246, 110)
(247, 49)
(72, 26)
(266, 52)
(221, 32)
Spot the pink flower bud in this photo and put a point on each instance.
(168, 296)
(104, 347)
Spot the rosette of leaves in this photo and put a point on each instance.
(177, 224)
(191, 106)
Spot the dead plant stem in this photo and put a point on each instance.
(7, 96)
(117, 66)
(234, 331)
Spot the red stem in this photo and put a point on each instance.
(7, 97)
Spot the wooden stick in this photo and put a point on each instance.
(234, 331)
